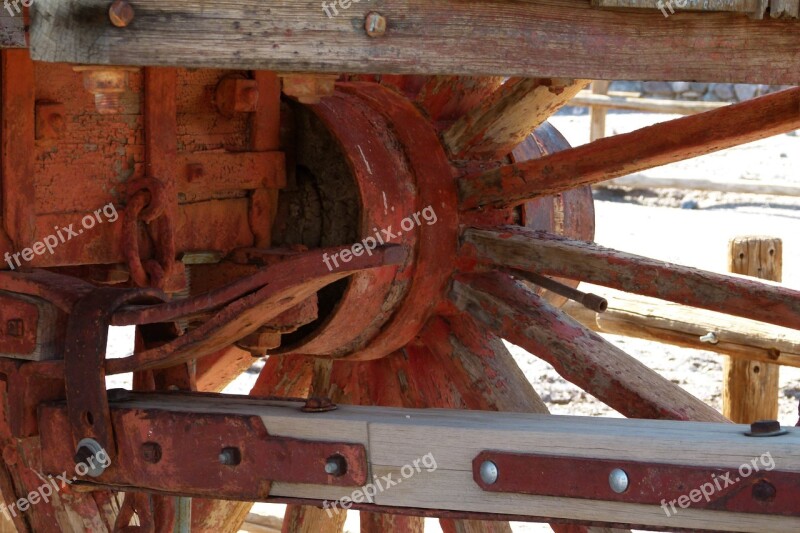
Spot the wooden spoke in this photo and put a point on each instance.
(544, 253)
(581, 356)
(503, 121)
(447, 98)
(616, 156)
(563, 38)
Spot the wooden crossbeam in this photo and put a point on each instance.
(396, 437)
(612, 157)
(558, 38)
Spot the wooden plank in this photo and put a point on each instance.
(560, 38)
(750, 388)
(649, 105)
(604, 159)
(647, 181)
(501, 122)
(655, 320)
(396, 437)
(552, 255)
(737, 6)
(597, 114)
(580, 356)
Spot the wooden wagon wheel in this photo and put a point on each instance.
(485, 195)
(508, 192)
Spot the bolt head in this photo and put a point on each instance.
(375, 24)
(336, 466)
(764, 491)
(151, 452)
(618, 480)
(230, 456)
(489, 472)
(90, 449)
(120, 13)
(765, 428)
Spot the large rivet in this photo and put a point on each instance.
(489, 472)
(618, 480)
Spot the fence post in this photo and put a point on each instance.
(750, 388)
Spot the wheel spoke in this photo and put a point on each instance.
(579, 355)
(503, 121)
(545, 253)
(616, 156)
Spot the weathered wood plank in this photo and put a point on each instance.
(558, 38)
(647, 318)
(551, 255)
(601, 101)
(396, 437)
(604, 159)
(582, 357)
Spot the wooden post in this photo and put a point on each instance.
(598, 114)
(750, 388)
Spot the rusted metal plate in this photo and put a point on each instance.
(180, 452)
(84, 354)
(722, 489)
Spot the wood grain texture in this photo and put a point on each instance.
(548, 254)
(750, 388)
(544, 38)
(612, 157)
(655, 320)
(395, 437)
(512, 311)
(597, 114)
(508, 116)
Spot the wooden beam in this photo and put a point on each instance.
(447, 98)
(648, 105)
(520, 316)
(396, 437)
(654, 320)
(544, 253)
(560, 38)
(656, 145)
(750, 389)
(501, 122)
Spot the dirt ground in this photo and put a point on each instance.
(692, 228)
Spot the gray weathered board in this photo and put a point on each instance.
(396, 437)
(553, 38)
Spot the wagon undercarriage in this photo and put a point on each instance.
(368, 199)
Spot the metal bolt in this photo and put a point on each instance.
(710, 338)
(764, 491)
(230, 456)
(15, 327)
(120, 13)
(618, 480)
(375, 24)
(765, 428)
(489, 472)
(318, 405)
(151, 452)
(336, 466)
(88, 453)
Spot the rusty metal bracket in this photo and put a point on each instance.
(721, 489)
(229, 456)
(84, 363)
